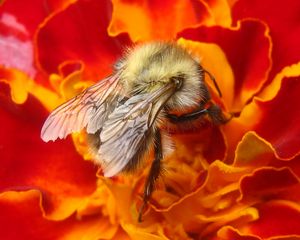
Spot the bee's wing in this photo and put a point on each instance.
(88, 109)
(127, 128)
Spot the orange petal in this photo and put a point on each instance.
(251, 72)
(153, 20)
(185, 169)
(177, 232)
(270, 91)
(211, 203)
(21, 85)
(221, 12)
(122, 197)
(235, 215)
(121, 235)
(218, 65)
(230, 233)
(153, 232)
(253, 152)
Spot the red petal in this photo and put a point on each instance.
(283, 19)
(277, 218)
(156, 19)
(83, 36)
(22, 218)
(272, 177)
(286, 237)
(269, 183)
(283, 135)
(27, 162)
(250, 64)
(275, 120)
(31, 13)
(18, 23)
(292, 164)
(209, 138)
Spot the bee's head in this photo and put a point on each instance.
(149, 66)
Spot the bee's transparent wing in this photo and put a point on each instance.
(127, 129)
(88, 109)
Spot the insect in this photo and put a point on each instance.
(153, 85)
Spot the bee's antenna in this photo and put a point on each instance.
(214, 82)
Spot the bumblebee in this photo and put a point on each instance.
(127, 113)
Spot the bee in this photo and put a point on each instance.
(128, 113)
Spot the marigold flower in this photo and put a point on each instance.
(237, 181)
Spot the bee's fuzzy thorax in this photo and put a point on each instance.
(149, 66)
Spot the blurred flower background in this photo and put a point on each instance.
(238, 181)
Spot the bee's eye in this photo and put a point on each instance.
(178, 80)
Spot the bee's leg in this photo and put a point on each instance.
(213, 111)
(214, 82)
(187, 117)
(153, 174)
